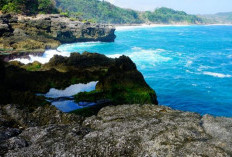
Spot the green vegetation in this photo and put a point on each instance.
(89, 111)
(166, 15)
(223, 18)
(35, 66)
(96, 11)
(104, 12)
(101, 12)
(28, 7)
(118, 96)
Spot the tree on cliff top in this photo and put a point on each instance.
(28, 7)
(105, 12)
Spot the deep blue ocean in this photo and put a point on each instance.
(189, 67)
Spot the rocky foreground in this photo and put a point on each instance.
(35, 34)
(126, 130)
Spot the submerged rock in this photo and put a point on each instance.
(130, 130)
(35, 34)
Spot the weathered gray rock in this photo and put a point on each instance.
(35, 34)
(19, 32)
(132, 130)
(220, 129)
(13, 121)
(41, 116)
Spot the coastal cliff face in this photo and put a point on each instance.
(125, 130)
(119, 81)
(35, 34)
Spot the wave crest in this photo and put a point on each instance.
(42, 59)
(216, 74)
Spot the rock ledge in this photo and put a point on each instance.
(129, 130)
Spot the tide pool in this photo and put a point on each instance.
(189, 67)
(64, 99)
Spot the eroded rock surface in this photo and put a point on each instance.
(130, 130)
(35, 34)
(13, 122)
(118, 80)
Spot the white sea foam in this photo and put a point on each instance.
(75, 46)
(205, 67)
(63, 50)
(188, 71)
(42, 59)
(229, 56)
(216, 74)
(71, 90)
(145, 58)
(149, 56)
(189, 63)
(144, 55)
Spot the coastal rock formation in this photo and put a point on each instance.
(14, 120)
(126, 130)
(119, 80)
(43, 115)
(35, 34)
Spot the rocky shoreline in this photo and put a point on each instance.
(30, 126)
(124, 130)
(25, 34)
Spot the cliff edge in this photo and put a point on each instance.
(35, 34)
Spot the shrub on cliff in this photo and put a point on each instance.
(28, 7)
(47, 6)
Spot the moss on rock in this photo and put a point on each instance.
(119, 81)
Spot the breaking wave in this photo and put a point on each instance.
(217, 74)
(42, 59)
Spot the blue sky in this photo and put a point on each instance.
(190, 6)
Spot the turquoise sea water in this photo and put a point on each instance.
(189, 67)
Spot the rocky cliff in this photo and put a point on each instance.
(126, 130)
(119, 81)
(35, 34)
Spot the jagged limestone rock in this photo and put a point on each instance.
(35, 34)
(131, 130)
